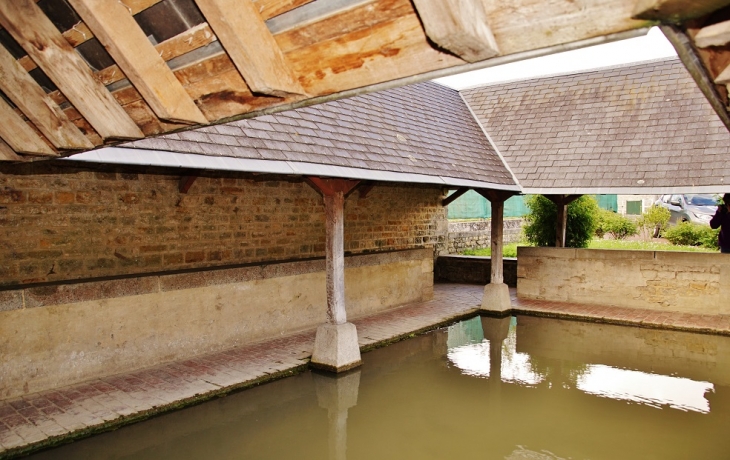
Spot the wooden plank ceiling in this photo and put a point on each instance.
(79, 74)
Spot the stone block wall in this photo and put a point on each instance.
(60, 221)
(477, 234)
(686, 282)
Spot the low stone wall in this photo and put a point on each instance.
(56, 334)
(472, 269)
(664, 281)
(477, 234)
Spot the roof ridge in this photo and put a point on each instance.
(573, 72)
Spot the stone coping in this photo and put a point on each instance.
(64, 292)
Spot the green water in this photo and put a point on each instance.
(532, 389)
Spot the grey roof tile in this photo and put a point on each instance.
(636, 120)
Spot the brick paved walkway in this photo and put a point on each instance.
(43, 419)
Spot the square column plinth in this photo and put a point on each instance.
(336, 348)
(496, 298)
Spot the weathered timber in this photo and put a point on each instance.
(185, 183)
(676, 11)
(45, 44)
(333, 192)
(19, 135)
(686, 52)
(271, 8)
(7, 154)
(459, 26)
(40, 109)
(451, 198)
(251, 46)
(496, 200)
(713, 35)
(117, 30)
(562, 202)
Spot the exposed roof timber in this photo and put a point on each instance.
(713, 35)
(19, 135)
(45, 114)
(676, 11)
(683, 45)
(45, 44)
(251, 46)
(7, 153)
(117, 30)
(459, 26)
(120, 155)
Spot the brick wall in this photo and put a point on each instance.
(61, 222)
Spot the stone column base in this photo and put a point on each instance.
(336, 348)
(496, 298)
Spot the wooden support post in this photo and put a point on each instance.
(562, 202)
(496, 293)
(335, 345)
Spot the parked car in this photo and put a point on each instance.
(697, 208)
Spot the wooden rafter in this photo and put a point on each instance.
(25, 21)
(19, 135)
(459, 26)
(713, 35)
(7, 153)
(251, 46)
(45, 114)
(676, 10)
(117, 30)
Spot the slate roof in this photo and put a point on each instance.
(645, 125)
(419, 129)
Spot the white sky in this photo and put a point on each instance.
(651, 46)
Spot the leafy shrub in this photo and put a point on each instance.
(541, 221)
(690, 234)
(619, 227)
(654, 221)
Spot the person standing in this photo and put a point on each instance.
(721, 220)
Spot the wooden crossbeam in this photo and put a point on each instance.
(251, 46)
(495, 195)
(676, 10)
(25, 21)
(117, 30)
(185, 183)
(364, 189)
(451, 198)
(331, 187)
(40, 109)
(19, 135)
(459, 26)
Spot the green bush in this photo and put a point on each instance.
(654, 221)
(689, 234)
(541, 221)
(619, 227)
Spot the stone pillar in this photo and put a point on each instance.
(496, 293)
(336, 347)
(337, 394)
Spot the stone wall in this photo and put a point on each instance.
(472, 269)
(64, 222)
(476, 234)
(58, 334)
(663, 281)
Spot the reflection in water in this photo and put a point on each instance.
(515, 389)
(472, 357)
(651, 389)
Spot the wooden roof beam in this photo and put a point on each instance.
(713, 35)
(25, 21)
(40, 109)
(251, 46)
(7, 154)
(459, 26)
(19, 135)
(676, 11)
(116, 29)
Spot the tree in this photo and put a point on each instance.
(541, 221)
